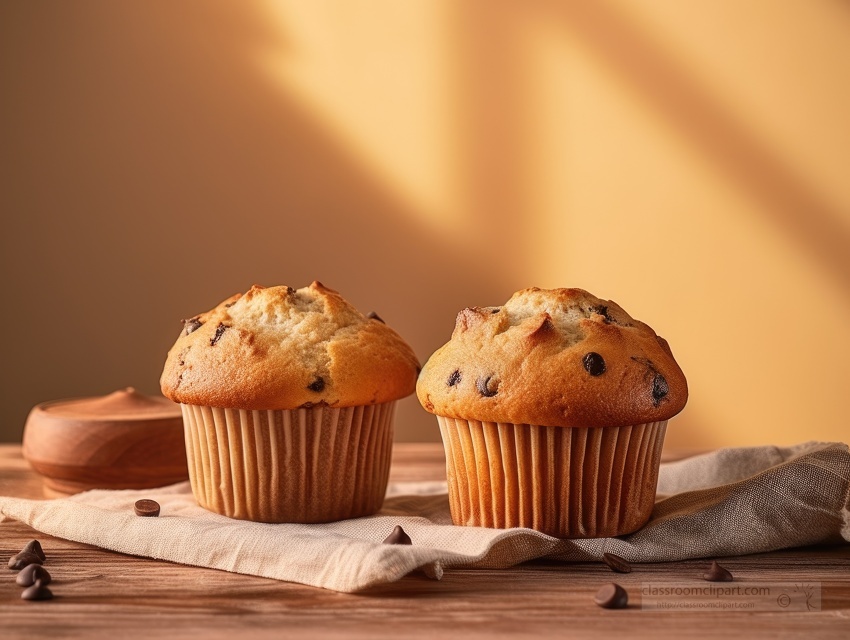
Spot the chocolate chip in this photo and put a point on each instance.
(612, 596)
(34, 546)
(192, 325)
(37, 592)
(454, 378)
(317, 385)
(617, 564)
(32, 572)
(659, 387)
(594, 364)
(487, 387)
(23, 559)
(716, 573)
(398, 536)
(219, 330)
(496, 310)
(374, 316)
(146, 508)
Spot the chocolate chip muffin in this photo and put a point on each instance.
(553, 410)
(288, 399)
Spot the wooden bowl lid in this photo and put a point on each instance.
(124, 440)
(123, 405)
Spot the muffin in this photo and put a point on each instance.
(552, 410)
(288, 399)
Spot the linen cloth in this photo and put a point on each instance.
(728, 502)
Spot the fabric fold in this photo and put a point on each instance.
(728, 502)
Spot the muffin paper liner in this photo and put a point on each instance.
(317, 464)
(566, 482)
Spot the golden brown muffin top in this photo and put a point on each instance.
(282, 348)
(559, 357)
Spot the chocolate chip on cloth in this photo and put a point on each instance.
(398, 536)
(146, 508)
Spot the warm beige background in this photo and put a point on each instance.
(688, 159)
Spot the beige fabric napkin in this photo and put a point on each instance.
(730, 502)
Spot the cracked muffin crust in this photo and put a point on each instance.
(559, 357)
(282, 348)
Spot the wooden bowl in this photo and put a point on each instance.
(124, 440)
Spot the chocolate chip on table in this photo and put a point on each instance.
(34, 546)
(398, 536)
(37, 591)
(594, 364)
(487, 387)
(612, 596)
(617, 564)
(192, 325)
(29, 574)
(716, 573)
(374, 316)
(23, 559)
(317, 385)
(454, 378)
(146, 508)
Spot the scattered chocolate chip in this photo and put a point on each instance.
(496, 310)
(659, 387)
(454, 378)
(374, 316)
(219, 331)
(31, 573)
(398, 536)
(487, 387)
(37, 592)
(612, 596)
(34, 546)
(716, 573)
(618, 564)
(146, 508)
(23, 559)
(317, 385)
(192, 325)
(594, 364)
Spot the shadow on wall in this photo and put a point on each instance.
(150, 172)
(150, 168)
(655, 74)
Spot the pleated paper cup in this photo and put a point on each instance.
(317, 464)
(563, 481)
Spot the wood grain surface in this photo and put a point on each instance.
(101, 594)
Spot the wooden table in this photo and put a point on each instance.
(101, 594)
